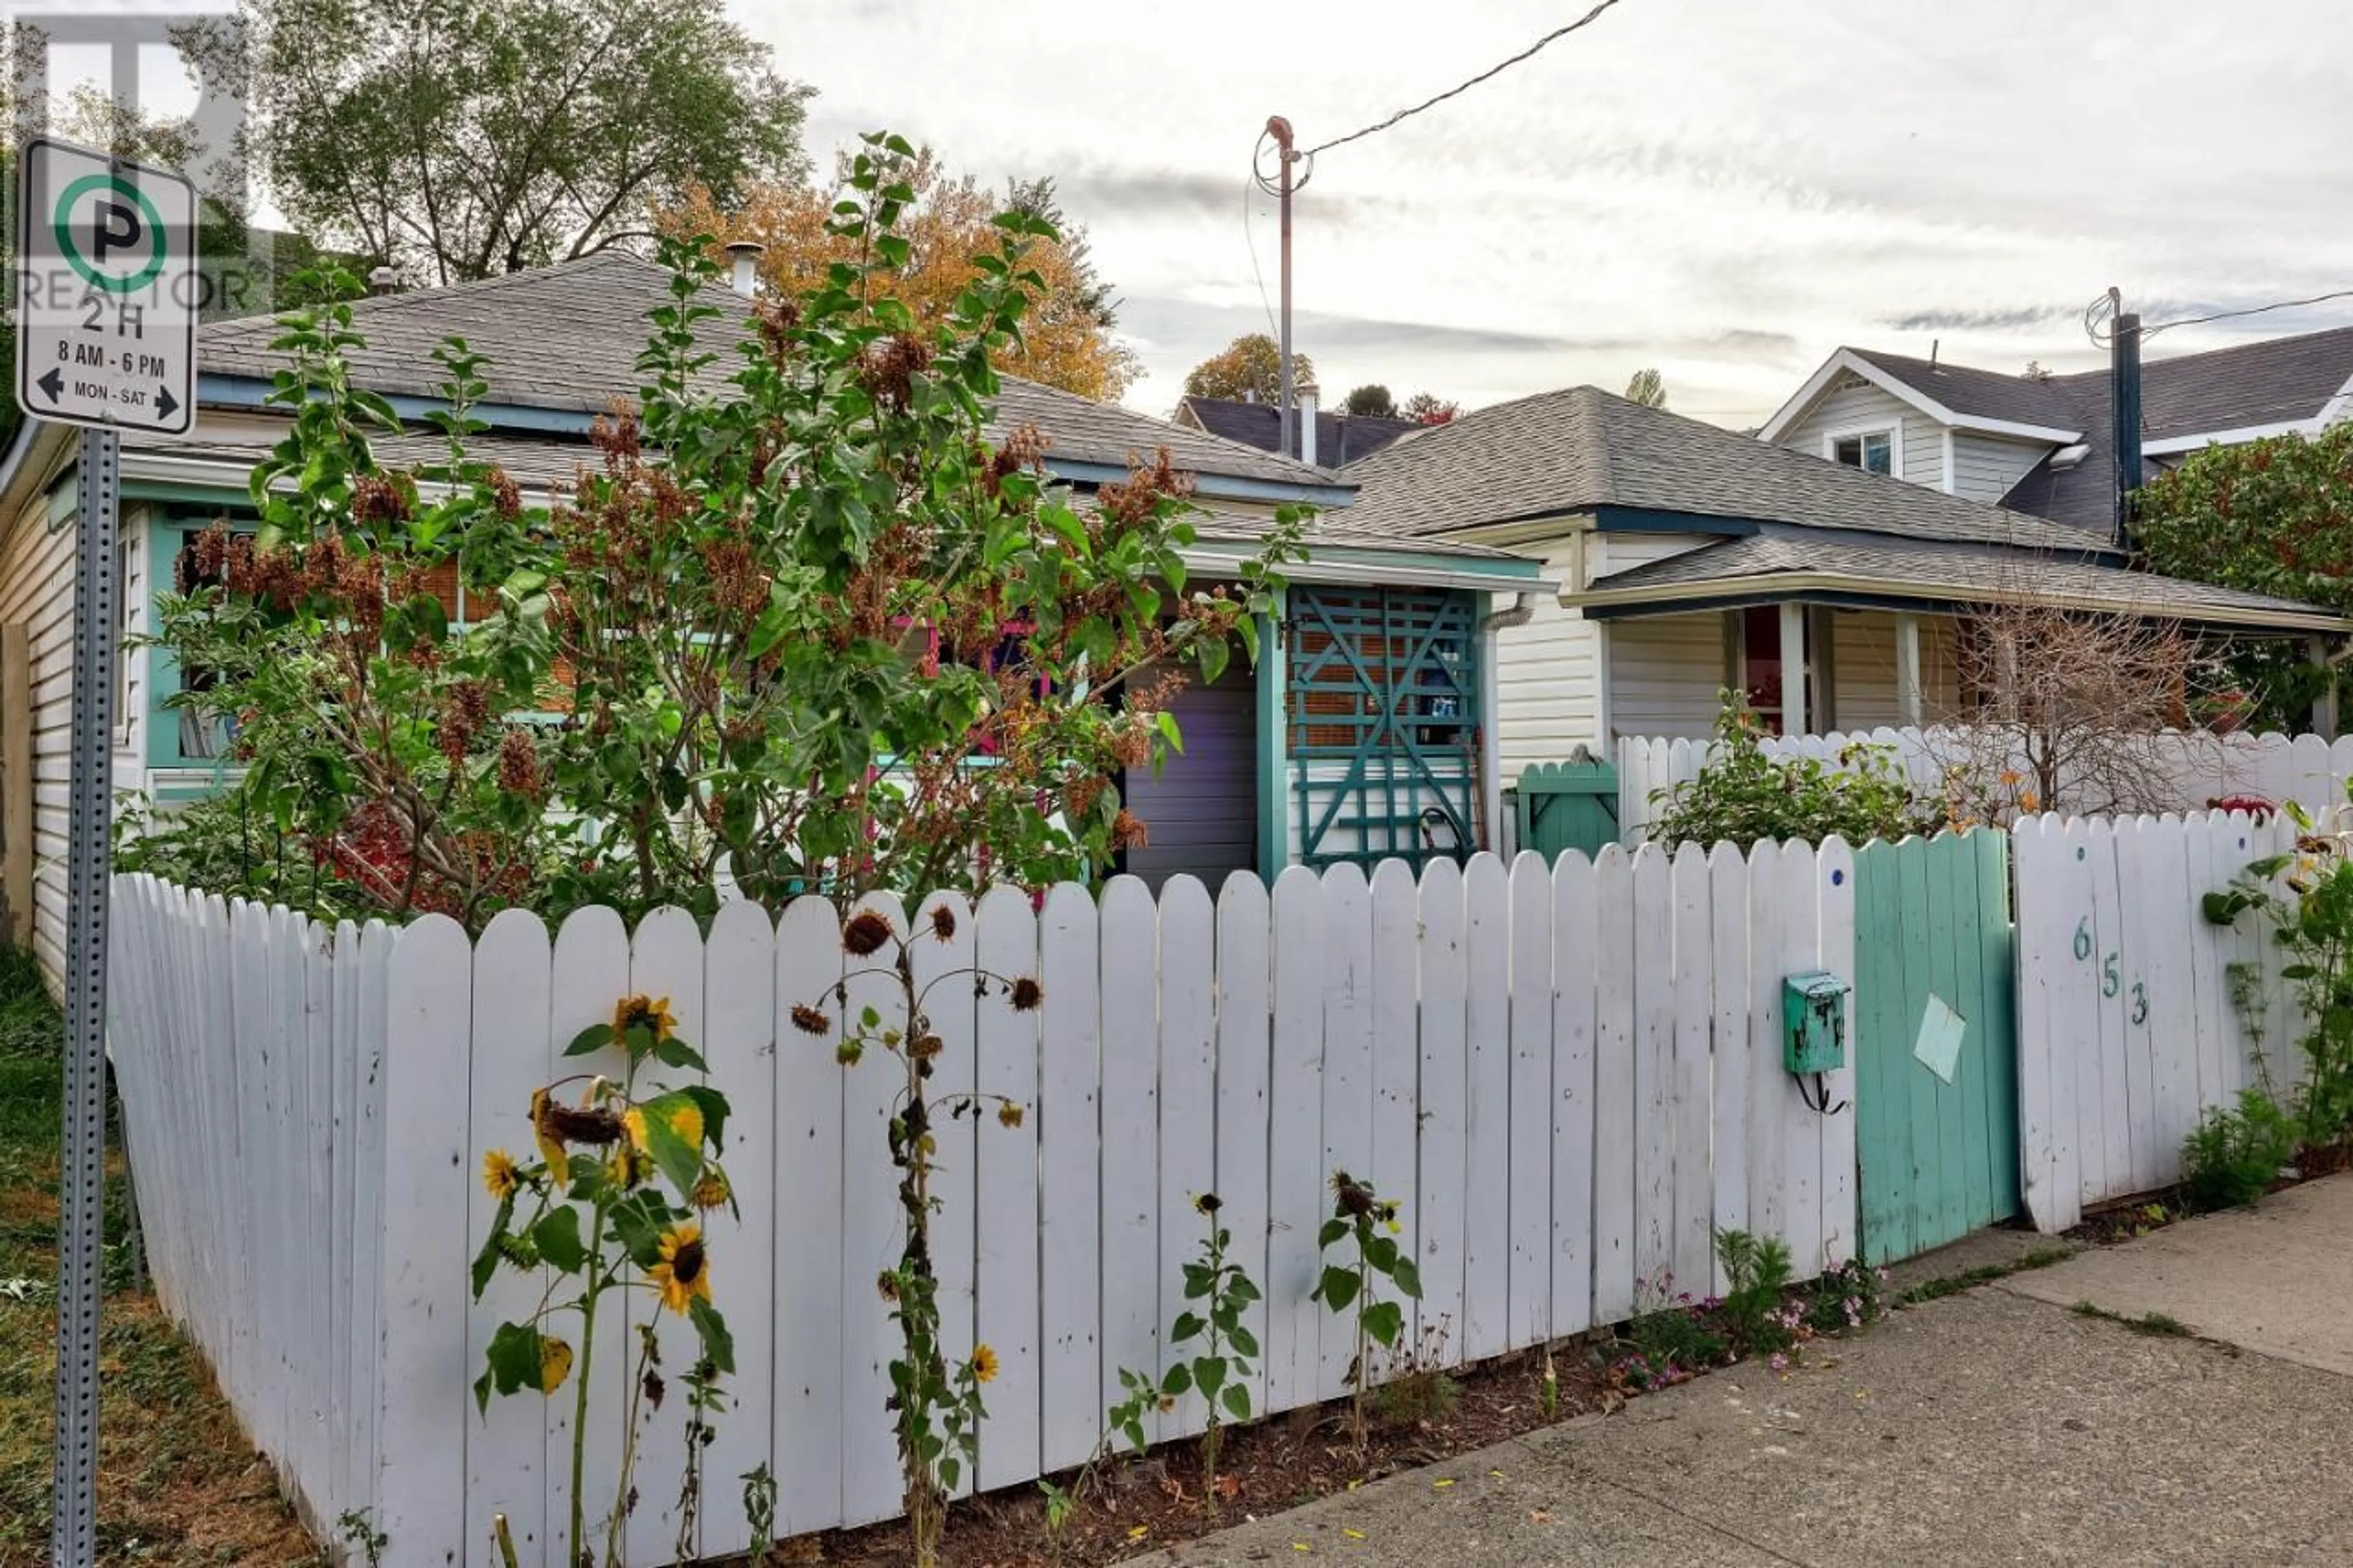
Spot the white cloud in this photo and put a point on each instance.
(1725, 190)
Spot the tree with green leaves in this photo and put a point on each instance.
(1371, 401)
(1646, 388)
(1251, 367)
(458, 139)
(1429, 408)
(2274, 517)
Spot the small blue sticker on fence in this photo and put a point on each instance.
(1838, 879)
(1938, 1048)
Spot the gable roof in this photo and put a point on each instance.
(1340, 438)
(1776, 564)
(566, 339)
(1998, 404)
(1584, 451)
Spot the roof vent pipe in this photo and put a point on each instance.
(1933, 344)
(746, 255)
(1307, 395)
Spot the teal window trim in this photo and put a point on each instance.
(167, 530)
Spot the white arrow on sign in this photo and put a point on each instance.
(106, 290)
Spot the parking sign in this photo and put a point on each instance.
(106, 290)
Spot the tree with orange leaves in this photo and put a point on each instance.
(1066, 339)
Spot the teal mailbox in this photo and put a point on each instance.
(1813, 1022)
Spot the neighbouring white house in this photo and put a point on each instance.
(1366, 735)
(1693, 559)
(2042, 443)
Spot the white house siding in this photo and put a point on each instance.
(1864, 643)
(1986, 468)
(1665, 672)
(1201, 810)
(1548, 676)
(1861, 402)
(1607, 553)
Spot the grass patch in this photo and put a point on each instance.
(2156, 1325)
(1984, 1274)
(178, 1484)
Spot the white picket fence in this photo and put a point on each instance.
(2197, 767)
(2133, 1008)
(1570, 1075)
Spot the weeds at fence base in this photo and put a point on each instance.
(1133, 1506)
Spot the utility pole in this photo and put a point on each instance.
(2124, 394)
(1280, 129)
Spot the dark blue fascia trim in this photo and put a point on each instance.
(1226, 485)
(1646, 520)
(243, 392)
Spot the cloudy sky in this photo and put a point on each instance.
(1725, 190)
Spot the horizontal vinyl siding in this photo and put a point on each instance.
(1201, 813)
(1864, 653)
(1664, 675)
(1864, 404)
(36, 589)
(1607, 553)
(1986, 469)
(1548, 677)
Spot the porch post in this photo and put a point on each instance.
(2324, 705)
(1794, 721)
(1274, 741)
(1491, 765)
(1908, 669)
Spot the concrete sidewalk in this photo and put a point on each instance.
(1995, 1426)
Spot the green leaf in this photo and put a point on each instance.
(595, 1037)
(557, 1236)
(1334, 1229)
(1242, 1339)
(1383, 1320)
(1186, 1326)
(950, 1469)
(1381, 1252)
(1209, 1374)
(1407, 1277)
(1236, 1401)
(674, 1052)
(512, 1360)
(1337, 1288)
(714, 1114)
(1241, 1290)
(718, 1344)
(486, 1262)
(1179, 1380)
(679, 1160)
(640, 1221)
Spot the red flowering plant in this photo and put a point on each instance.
(762, 642)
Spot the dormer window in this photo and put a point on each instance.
(1873, 451)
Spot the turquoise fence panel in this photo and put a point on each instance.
(1560, 807)
(1936, 1042)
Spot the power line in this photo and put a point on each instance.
(2097, 315)
(1251, 240)
(1558, 32)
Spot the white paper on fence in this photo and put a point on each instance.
(1939, 1048)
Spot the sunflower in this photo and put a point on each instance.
(543, 1132)
(712, 1192)
(651, 1011)
(554, 1364)
(684, 1272)
(984, 1364)
(500, 1176)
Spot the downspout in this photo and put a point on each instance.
(1488, 831)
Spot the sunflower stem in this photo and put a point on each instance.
(580, 1390)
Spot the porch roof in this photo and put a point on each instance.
(1915, 574)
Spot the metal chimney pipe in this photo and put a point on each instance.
(1307, 395)
(745, 254)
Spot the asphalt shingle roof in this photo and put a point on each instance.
(1340, 438)
(1967, 571)
(1561, 453)
(1979, 393)
(567, 338)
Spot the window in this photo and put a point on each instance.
(1873, 451)
(1760, 664)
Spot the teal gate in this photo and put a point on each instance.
(1384, 723)
(1560, 807)
(1937, 1044)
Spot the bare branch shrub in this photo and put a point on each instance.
(2087, 713)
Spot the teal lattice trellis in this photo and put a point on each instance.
(1384, 723)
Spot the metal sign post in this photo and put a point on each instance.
(106, 333)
